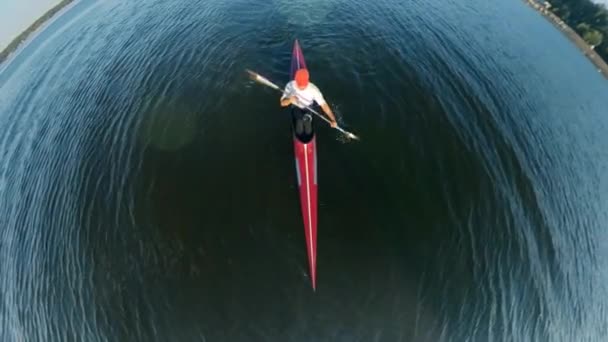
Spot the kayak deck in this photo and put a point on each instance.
(306, 169)
(305, 152)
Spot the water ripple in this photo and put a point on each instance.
(145, 184)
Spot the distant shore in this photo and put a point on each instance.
(596, 59)
(14, 45)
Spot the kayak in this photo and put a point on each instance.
(305, 151)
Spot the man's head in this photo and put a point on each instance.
(301, 78)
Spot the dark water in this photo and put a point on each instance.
(147, 189)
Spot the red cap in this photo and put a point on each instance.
(302, 78)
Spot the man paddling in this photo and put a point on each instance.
(301, 93)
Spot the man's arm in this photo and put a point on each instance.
(287, 97)
(330, 114)
(321, 102)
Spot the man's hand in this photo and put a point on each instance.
(333, 124)
(286, 101)
(292, 100)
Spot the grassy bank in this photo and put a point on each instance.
(14, 45)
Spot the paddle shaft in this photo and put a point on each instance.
(266, 82)
(310, 109)
(323, 117)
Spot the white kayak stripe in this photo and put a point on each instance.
(298, 172)
(298, 58)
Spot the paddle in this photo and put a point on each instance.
(262, 80)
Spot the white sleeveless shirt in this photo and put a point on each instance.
(305, 96)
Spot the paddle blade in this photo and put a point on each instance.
(260, 79)
(348, 134)
(353, 137)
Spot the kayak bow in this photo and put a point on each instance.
(306, 168)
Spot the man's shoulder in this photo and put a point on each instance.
(313, 87)
(289, 88)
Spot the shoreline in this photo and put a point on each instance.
(574, 37)
(16, 43)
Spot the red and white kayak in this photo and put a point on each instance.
(306, 168)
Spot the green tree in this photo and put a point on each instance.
(601, 17)
(562, 12)
(583, 28)
(593, 37)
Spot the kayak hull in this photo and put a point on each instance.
(306, 167)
